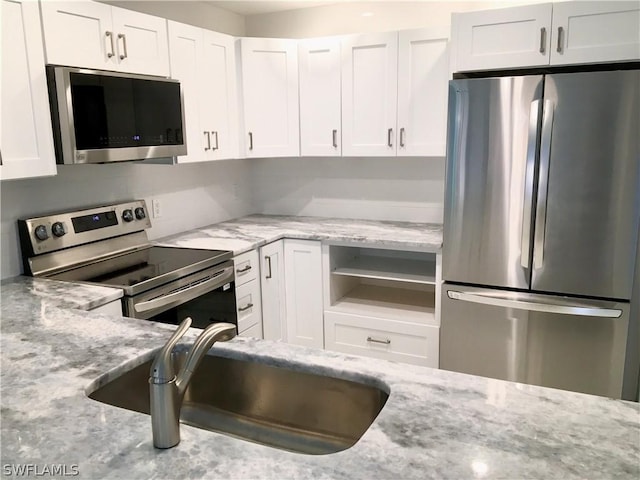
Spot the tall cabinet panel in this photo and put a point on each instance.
(369, 94)
(423, 73)
(219, 97)
(270, 97)
(273, 291)
(303, 284)
(320, 122)
(26, 142)
(204, 62)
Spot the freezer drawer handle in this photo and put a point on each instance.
(567, 309)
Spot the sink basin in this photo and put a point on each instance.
(295, 411)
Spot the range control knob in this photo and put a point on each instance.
(58, 229)
(140, 213)
(127, 215)
(41, 232)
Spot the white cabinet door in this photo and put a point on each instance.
(249, 307)
(423, 76)
(26, 142)
(303, 284)
(270, 97)
(320, 113)
(185, 47)
(585, 32)
(369, 94)
(79, 34)
(503, 38)
(273, 291)
(218, 99)
(141, 42)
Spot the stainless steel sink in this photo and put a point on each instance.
(295, 411)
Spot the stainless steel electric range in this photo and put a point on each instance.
(108, 245)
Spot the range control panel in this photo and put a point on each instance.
(54, 232)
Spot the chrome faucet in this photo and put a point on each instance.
(167, 389)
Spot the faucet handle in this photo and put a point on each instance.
(162, 370)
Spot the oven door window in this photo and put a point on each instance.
(216, 306)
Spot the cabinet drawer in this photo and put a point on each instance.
(385, 339)
(255, 332)
(247, 266)
(248, 305)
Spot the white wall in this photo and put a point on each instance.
(408, 189)
(345, 18)
(200, 14)
(191, 196)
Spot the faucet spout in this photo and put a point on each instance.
(167, 389)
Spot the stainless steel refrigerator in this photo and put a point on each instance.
(542, 213)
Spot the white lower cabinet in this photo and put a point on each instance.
(249, 307)
(303, 286)
(112, 308)
(248, 295)
(386, 339)
(382, 303)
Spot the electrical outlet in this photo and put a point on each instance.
(157, 208)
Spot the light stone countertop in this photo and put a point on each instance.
(436, 424)
(247, 233)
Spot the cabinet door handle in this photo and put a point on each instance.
(268, 260)
(389, 134)
(216, 135)
(124, 45)
(208, 147)
(402, 137)
(560, 39)
(244, 270)
(246, 307)
(384, 342)
(334, 137)
(250, 141)
(543, 39)
(109, 35)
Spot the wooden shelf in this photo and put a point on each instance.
(387, 268)
(412, 306)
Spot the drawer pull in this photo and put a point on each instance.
(384, 342)
(244, 270)
(246, 307)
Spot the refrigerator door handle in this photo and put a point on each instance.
(532, 138)
(564, 308)
(543, 184)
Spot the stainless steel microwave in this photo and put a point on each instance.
(103, 117)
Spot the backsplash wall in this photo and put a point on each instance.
(191, 196)
(381, 188)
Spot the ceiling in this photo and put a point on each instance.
(255, 7)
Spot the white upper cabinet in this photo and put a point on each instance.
(586, 32)
(369, 94)
(320, 101)
(423, 75)
(503, 38)
(26, 141)
(562, 33)
(204, 63)
(94, 35)
(270, 97)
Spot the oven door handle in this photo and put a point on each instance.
(188, 292)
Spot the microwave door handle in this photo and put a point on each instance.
(530, 165)
(565, 308)
(189, 292)
(543, 184)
